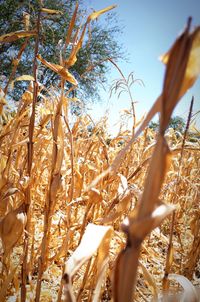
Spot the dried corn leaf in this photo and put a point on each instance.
(158, 167)
(3, 161)
(193, 65)
(177, 79)
(119, 210)
(101, 263)
(26, 20)
(97, 289)
(22, 78)
(96, 237)
(9, 192)
(71, 25)
(127, 261)
(95, 15)
(51, 11)
(141, 228)
(13, 36)
(63, 72)
(2, 100)
(93, 237)
(150, 280)
(72, 57)
(123, 186)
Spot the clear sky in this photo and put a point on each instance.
(150, 28)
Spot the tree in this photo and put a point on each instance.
(100, 43)
(176, 122)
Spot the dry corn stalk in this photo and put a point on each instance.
(59, 182)
(149, 213)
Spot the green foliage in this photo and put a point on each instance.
(177, 123)
(100, 44)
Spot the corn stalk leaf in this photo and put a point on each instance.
(96, 14)
(13, 36)
(22, 78)
(60, 70)
(51, 11)
(193, 65)
(71, 25)
(96, 237)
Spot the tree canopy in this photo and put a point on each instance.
(99, 45)
(176, 122)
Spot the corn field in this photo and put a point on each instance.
(86, 217)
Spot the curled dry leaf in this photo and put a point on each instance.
(193, 65)
(63, 72)
(13, 36)
(22, 78)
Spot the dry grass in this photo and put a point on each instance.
(76, 206)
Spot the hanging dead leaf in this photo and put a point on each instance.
(63, 72)
(119, 210)
(193, 65)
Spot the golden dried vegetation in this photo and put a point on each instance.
(87, 218)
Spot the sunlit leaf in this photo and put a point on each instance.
(96, 14)
(13, 36)
(71, 25)
(95, 237)
(63, 72)
(92, 238)
(193, 66)
(50, 11)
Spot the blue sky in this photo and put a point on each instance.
(150, 28)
